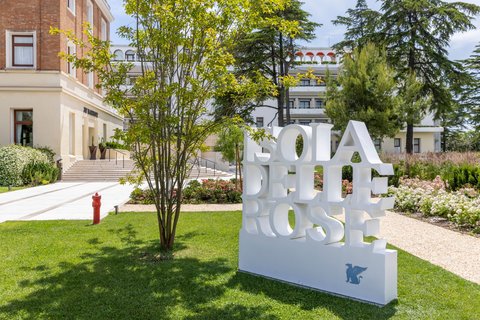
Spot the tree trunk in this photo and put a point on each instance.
(280, 102)
(409, 142)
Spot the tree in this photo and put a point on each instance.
(361, 23)
(270, 50)
(470, 92)
(230, 144)
(185, 52)
(416, 35)
(367, 93)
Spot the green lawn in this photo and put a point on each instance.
(70, 269)
(5, 189)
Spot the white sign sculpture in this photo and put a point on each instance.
(319, 251)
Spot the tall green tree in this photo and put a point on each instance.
(270, 50)
(230, 145)
(470, 92)
(185, 50)
(361, 23)
(416, 35)
(366, 91)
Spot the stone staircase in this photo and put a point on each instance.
(98, 170)
(105, 170)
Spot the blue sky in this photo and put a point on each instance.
(323, 11)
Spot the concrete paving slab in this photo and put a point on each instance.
(59, 201)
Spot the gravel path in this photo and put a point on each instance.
(453, 251)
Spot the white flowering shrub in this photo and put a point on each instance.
(432, 199)
(13, 160)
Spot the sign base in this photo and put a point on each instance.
(361, 273)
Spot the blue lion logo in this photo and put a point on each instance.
(353, 273)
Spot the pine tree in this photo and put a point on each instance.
(270, 51)
(361, 24)
(367, 93)
(470, 93)
(416, 34)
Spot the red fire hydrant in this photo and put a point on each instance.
(96, 204)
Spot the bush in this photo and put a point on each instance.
(36, 173)
(208, 191)
(48, 152)
(14, 159)
(430, 198)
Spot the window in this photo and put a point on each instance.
(71, 50)
(130, 55)
(259, 122)
(131, 80)
(378, 144)
(305, 82)
(90, 13)
(397, 145)
(71, 5)
(318, 103)
(23, 50)
(90, 80)
(416, 145)
(291, 103)
(304, 104)
(103, 36)
(304, 122)
(118, 55)
(23, 127)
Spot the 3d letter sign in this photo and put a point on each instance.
(319, 251)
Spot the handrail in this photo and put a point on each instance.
(119, 151)
(198, 160)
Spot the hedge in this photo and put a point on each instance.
(14, 159)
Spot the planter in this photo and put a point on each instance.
(103, 152)
(93, 152)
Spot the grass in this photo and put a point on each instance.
(5, 189)
(71, 269)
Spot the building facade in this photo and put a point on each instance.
(44, 100)
(307, 104)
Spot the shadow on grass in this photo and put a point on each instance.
(307, 299)
(128, 282)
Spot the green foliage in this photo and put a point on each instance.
(360, 23)
(208, 191)
(366, 91)
(39, 173)
(48, 152)
(416, 36)
(115, 145)
(230, 140)
(463, 141)
(185, 51)
(268, 51)
(212, 191)
(13, 160)
(456, 176)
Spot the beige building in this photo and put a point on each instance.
(307, 105)
(44, 100)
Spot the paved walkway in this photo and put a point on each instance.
(62, 201)
(453, 251)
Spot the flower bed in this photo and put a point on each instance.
(431, 198)
(208, 191)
